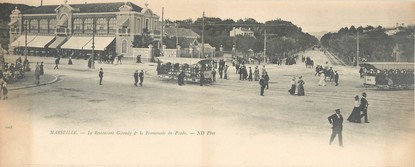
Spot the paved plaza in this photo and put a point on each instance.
(240, 128)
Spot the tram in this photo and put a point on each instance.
(169, 67)
(389, 75)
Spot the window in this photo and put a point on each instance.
(112, 24)
(88, 24)
(146, 24)
(77, 25)
(102, 24)
(124, 46)
(33, 25)
(52, 24)
(43, 24)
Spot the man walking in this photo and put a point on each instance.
(202, 78)
(136, 77)
(262, 84)
(266, 78)
(336, 78)
(141, 75)
(101, 75)
(337, 121)
(41, 68)
(57, 63)
(214, 75)
(363, 106)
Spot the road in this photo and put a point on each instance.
(240, 127)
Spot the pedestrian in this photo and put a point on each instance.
(355, 115)
(337, 121)
(136, 77)
(180, 79)
(119, 58)
(220, 71)
(5, 90)
(322, 81)
(250, 74)
(101, 75)
(266, 77)
(256, 73)
(300, 88)
(363, 106)
(41, 71)
(26, 65)
(1, 85)
(262, 85)
(202, 78)
(237, 68)
(141, 75)
(57, 63)
(37, 74)
(226, 72)
(241, 71)
(214, 75)
(336, 78)
(90, 63)
(263, 70)
(293, 86)
(361, 72)
(70, 60)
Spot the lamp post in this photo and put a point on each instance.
(357, 49)
(93, 44)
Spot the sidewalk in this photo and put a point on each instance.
(29, 81)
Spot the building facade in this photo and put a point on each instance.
(241, 31)
(106, 28)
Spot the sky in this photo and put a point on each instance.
(310, 15)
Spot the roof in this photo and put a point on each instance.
(181, 32)
(84, 8)
(387, 65)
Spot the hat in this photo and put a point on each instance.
(337, 109)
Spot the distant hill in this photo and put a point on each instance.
(7, 8)
(319, 34)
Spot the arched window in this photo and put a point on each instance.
(124, 46)
(88, 25)
(43, 25)
(33, 25)
(112, 24)
(101, 25)
(77, 27)
(52, 24)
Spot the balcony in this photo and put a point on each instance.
(123, 31)
(14, 30)
(62, 31)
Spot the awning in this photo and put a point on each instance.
(100, 43)
(123, 22)
(12, 23)
(76, 43)
(40, 41)
(20, 42)
(57, 43)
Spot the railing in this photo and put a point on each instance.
(64, 31)
(14, 30)
(125, 31)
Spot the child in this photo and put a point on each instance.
(5, 91)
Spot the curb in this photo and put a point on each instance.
(34, 85)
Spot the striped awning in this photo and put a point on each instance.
(57, 43)
(100, 43)
(76, 43)
(20, 42)
(40, 41)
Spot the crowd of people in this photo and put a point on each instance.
(325, 73)
(391, 77)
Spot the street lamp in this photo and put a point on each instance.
(25, 40)
(93, 44)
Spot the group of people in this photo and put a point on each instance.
(359, 111)
(326, 72)
(403, 77)
(297, 85)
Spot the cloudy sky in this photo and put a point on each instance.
(311, 15)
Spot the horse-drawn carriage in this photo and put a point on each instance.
(309, 63)
(390, 75)
(190, 68)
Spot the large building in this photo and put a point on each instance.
(241, 31)
(69, 28)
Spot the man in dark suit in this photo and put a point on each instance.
(337, 121)
(101, 75)
(202, 78)
(136, 77)
(363, 106)
(262, 84)
(336, 78)
(141, 75)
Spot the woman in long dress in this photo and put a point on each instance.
(293, 86)
(322, 79)
(300, 87)
(355, 115)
